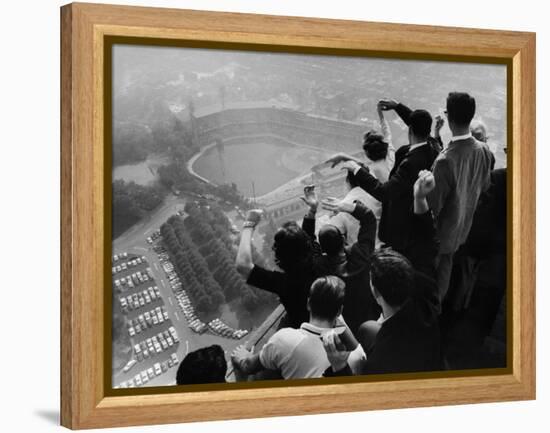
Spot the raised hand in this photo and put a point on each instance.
(310, 197)
(335, 205)
(439, 122)
(424, 184)
(338, 158)
(387, 104)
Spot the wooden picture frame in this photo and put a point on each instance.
(85, 400)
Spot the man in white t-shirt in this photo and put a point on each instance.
(299, 353)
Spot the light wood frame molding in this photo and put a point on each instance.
(84, 400)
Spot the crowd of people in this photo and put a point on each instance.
(408, 274)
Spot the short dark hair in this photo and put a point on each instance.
(461, 108)
(292, 247)
(331, 240)
(326, 297)
(205, 365)
(375, 146)
(420, 122)
(392, 276)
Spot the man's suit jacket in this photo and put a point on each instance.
(396, 194)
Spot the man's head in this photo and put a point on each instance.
(479, 130)
(326, 298)
(205, 365)
(374, 145)
(331, 240)
(461, 109)
(420, 126)
(292, 247)
(391, 276)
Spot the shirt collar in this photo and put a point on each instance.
(414, 146)
(461, 137)
(306, 326)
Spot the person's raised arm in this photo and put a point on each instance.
(384, 125)
(386, 132)
(367, 223)
(402, 110)
(310, 199)
(423, 240)
(339, 158)
(244, 254)
(399, 182)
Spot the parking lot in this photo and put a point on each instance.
(153, 336)
(135, 242)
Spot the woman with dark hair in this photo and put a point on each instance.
(205, 365)
(294, 252)
(380, 155)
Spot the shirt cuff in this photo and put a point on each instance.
(356, 167)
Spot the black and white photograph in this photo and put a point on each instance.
(280, 216)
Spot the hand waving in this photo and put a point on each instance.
(335, 205)
(310, 197)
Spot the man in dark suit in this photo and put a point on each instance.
(396, 195)
(406, 338)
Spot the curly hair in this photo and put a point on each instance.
(375, 146)
(205, 365)
(392, 276)
(293, 248)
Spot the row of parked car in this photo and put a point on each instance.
(133, 280)
(220, 328)
(129, 264)
(193, 321)
(140, 299)
(150, 373)
(147, 320)
(120, 256)
(153, 237)
(156, 344)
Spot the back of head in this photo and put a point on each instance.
(392, 276)
(461, 108)
(479, 130)
(331, 240)
(326, 297)
(292, 247)
(375, 146)
(205, 365)
(420, 124)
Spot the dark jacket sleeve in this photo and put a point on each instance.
(364, 246)
(401, 181)
(343, 372)
(308, 225)
(424, 243)
(425, 247)
(271, 281)
(404, 113)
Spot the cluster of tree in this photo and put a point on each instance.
(131, 143)
(131, 202)
(209, 229)
(191, 268)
